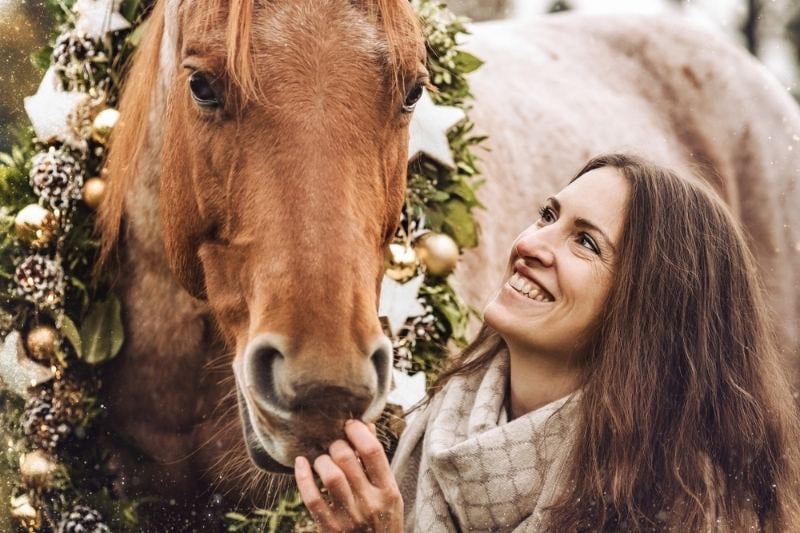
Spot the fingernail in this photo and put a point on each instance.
(348, 422)
(298, 461)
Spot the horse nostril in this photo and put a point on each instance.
(261, 365)
(382, 361)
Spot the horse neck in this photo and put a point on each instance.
(144, 274)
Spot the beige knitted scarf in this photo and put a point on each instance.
(462, 466)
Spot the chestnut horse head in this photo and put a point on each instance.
(283, 163)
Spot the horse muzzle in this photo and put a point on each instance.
(284, 418)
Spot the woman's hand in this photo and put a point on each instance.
(362, 498)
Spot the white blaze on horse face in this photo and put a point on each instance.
(168, 52)
(555, 259)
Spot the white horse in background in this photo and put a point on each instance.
(556, 90)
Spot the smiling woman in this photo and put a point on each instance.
(625, 379)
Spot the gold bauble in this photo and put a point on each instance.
(103, 124)
(438, 252)
(401, 261)
(42, 343)
(35, 224)
(37, 469)
(94, 191)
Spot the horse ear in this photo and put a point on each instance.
(183, 226)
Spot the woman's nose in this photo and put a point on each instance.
(536, 244)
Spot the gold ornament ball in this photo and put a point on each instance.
(401, 261)
(37, 469)
(35, 224)
(103, 124)
(438, 252)
(94, 191)
(42, 343)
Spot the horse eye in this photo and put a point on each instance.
(412, 98)
(202, 92)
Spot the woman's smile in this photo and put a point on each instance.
(528, 288)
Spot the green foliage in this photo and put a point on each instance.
(446, 198)
(288, 516)
(101, 332)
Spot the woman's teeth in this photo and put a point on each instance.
(528, 288)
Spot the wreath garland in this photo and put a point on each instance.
(60, 321)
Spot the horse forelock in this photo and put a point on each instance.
(395, 20)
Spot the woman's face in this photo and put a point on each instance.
(560, 268)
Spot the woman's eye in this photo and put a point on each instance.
(412, 98)
(202, 91)
(587, 242)
(546, 215)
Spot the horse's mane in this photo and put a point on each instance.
(395, 17)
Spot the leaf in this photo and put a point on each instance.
(70, 331)
(41, 58)
(129, 8)
(101, 332)
(435, 217)
(464, 191)
(17, 156)
(466, 62)
(460, 224)
(135, 36)
(437, 196)
(117, 328)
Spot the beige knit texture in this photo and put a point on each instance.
(462, 467)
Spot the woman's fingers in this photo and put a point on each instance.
(359, 499)
(338, 487)
(344, 456)
(315, 503)
(371, 453)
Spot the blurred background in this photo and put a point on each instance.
(769, 29)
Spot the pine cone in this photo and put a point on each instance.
(77, 59)
(82, 519)
(41, 423)
(40, 280)
(68, 395)
(57, 177)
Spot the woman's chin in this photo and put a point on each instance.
(501, 316)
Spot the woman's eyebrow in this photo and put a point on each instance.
(582, 223)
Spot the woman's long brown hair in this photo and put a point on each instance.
(686, 418)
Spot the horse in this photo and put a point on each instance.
(258, 171)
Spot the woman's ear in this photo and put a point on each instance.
(183, 225)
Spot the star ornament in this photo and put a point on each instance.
(99, 17)
(428, 130)
(17, 372)
(408, 390)
(52, 111)
(399, 301)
